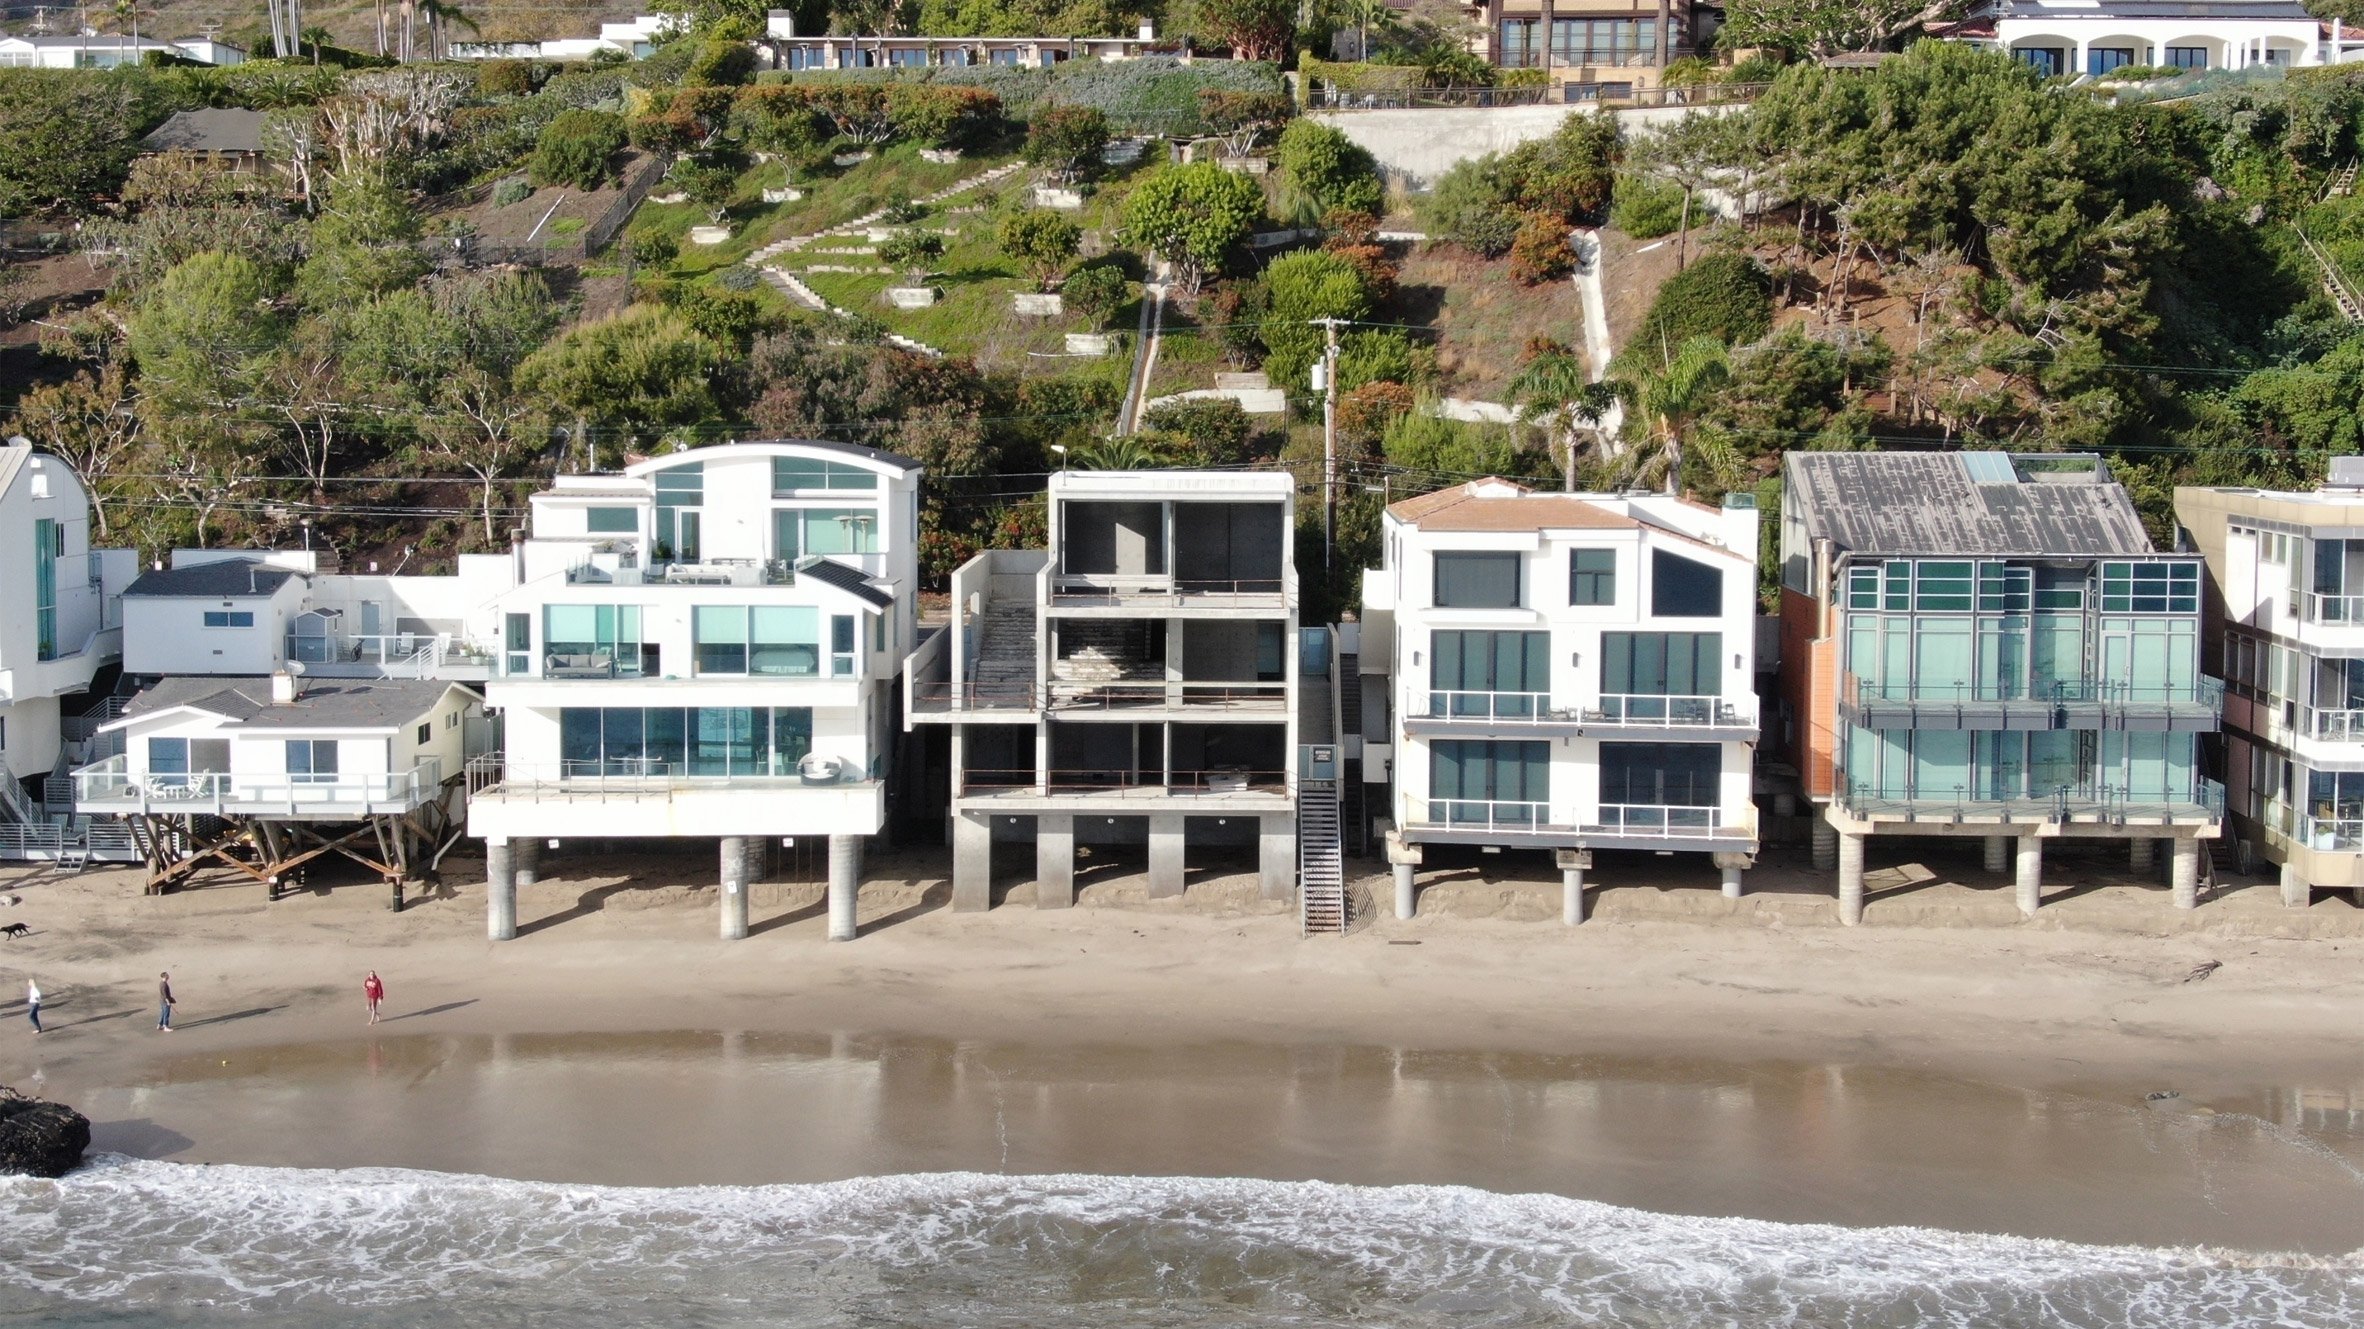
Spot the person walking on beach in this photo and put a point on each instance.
(373, 991)
(33, 1004)
(164, 1002)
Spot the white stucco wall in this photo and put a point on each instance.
(166, 634)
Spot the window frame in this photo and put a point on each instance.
(1464, 557)
(1592, 582)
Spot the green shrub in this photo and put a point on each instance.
(511, 190)
(942, 117)
(1322, 170)
(576, 147)
(1301, 287)
(1477, 204)
(504, 78)
(1157, 94)
(1095, 291)
(652, 249)
(912, 251)
(1041, 241)
(738, 277)
(720, 64)
(1646, 207)
(1067, 139)
(1200, 432)
(1541, 251)
(1726, 296)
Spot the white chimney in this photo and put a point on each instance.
(283, 687)
(1148, 31)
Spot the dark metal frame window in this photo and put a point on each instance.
(1662, 664)
(2186, 57)
(1683, 775)
(791, 475)
(312, 760)
(1684, 588)
(1472, 580)
(2150, 588)
(1592, 576)
(1466, 775)
(1474, 664)
(229, 618)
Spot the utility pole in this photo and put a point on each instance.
(1329, 387)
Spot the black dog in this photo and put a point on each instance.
(14, 931)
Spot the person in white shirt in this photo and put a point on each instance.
(33, 1003)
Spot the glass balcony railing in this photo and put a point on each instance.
(1857, 690)
(2324, 607)
(1476, 814)
(2097, 801)
(1641, 710)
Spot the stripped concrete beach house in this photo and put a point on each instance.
(1987, 645)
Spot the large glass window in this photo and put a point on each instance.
(1518, 44)
(2150, 588)
(1496, 783)
(188, 756)
(800, 531)
(48, 544)
(592, 641)
(1683, 588)
(312, 760)
(2187, 57)
(611, 521)
(1662, 664)
(1686, 775)
(1592, 577)
(796, 474)
(778, 640)
(1477, 581)
(1489, 673)
(2103, 59)
(674, 740)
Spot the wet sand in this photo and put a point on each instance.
(1985, 1079)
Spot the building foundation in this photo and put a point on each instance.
(972, 862)
(1405, 894)
(527, 856)
(500, 891)
(1733, 886)
(845, 885)
(2183, 873)
(2295, 892)
(1998, 853)
(1826, 845)
(1571, 896)
(1276, 856)
(734, 887)
(1850, 861)
(2142, 855)
(1054, 860)
(2028, 878)
(1165, 855)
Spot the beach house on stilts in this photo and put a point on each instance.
(1570, 673)
(1133, 690)
(1984, 645)
(703, 646)
(2286, 626)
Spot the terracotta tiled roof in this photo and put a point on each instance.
(1461, 508)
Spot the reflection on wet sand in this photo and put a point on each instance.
(2252, 1169)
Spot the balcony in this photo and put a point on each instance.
(1442, 713)
(704, 572)
(2202, 803)
(2332, 830)
(2333, 726)
(818, 796)
(2186, 708)
(1139, 594)
(393, 655)
(1132, 698)
(984, 700)
(2322, 607)
(1212, 791)
(111, 787)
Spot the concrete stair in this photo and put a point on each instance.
(1321, 872)
(1004, 662)
(1104, 652)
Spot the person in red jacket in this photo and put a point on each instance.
(373, 991)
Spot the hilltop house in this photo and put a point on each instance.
(1982, 644)
(105, 50)
(1569, 672)
(2099, 36)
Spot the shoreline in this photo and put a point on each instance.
(2042, 1038)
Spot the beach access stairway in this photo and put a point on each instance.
(1004, 665)
(1321, 868)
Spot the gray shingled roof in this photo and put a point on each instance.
(325, 703)
(227, 579)
(845, 578)
(213, 129)
(1982, 503)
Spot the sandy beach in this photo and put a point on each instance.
(1678, 1052)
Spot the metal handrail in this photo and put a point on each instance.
(2098, 802)
(2335, 725)
(1125, 694)
(1113, 588)
(1123, 784)
(113, 782)
(934, 697)
(2324, 607)
(1638, 709)
(637, 780)
(1670, 820)
(1489, 814)
(1856, 690)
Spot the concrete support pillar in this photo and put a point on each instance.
(1998, 853)
(527, 855)
(1732, 884)
(1571, 896)
(2142, 856)
(2183, 874)
(500, 891)
(1850, 858)
(1405, 895)
(1826, 845)
(1165, 855)
(734, 887)
(2029, 876)
(2295, 893)
(759, 859)
(972, 862)
(1054, 860)
(845, 884)
(1276, 856)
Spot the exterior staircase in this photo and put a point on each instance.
(1321, 873)
(1002, 670)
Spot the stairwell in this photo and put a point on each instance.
(1354, 821)
(1002, 669)
(1105, 651)
(1321, 868)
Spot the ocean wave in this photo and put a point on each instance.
(973, 1249)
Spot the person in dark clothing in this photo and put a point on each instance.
(164, 1002)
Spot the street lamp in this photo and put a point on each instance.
(1062, 451)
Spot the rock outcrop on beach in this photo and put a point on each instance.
(39, 1138)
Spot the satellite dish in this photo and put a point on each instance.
(296, 667)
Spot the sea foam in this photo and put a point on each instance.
(974, 1249)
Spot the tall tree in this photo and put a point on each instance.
(1819, 28)
(1672, 390)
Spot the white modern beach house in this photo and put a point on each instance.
(1567, 673)
(703, 646)
(2099, 37)
(1134, 691)
(60, 626)
(2285, 623)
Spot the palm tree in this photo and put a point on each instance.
(441, 19)
(1554, 389)
(1124, 452)
(1665, 399)
(315, 37)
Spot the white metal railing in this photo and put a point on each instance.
(2338, 726)
(1489, 707)
(110, 784)
(2327, 608)
(1475, 814)
(638, 780)
(1645, 709)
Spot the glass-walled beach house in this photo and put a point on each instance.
(704, 645)
(2287, 623)
(1982, 644)
(1570, 672)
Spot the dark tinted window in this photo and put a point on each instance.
(1681, 588)
(1477, 581)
